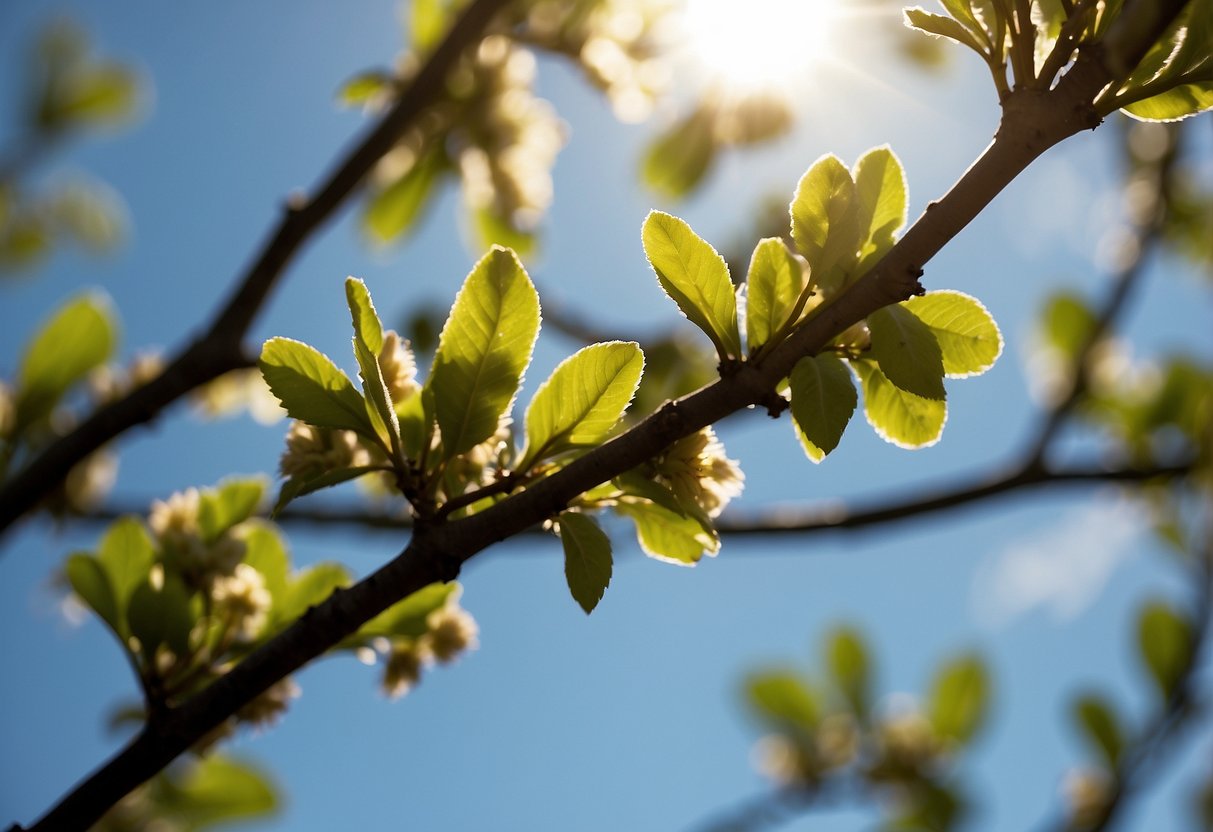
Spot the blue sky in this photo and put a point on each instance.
(628, 719)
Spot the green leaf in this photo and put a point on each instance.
(667, 536)
(310, 587)
(1176, 103)
(636, 484)
(126, 553)
(966, 332)
(80, 336)
(92, 585)
(784, 700)
(773, 285)
(234, 501)
(695, 277)
(676, 161)
(937, 24)
(213, 790)
(266, 552)
(1164, 639)
(364, 87)
(959, 699)
(1066, 324)
(850, 666)
(880, 187)
(160, 613)
(898, 417)
(101, 94)
(409, 617)
(311, 388)
(428, 21)
(493, 228)
(301, 486)
(484, 348)
(907, 352)
(394, 211)
(826, 221)
(587, 558)
(1100, 727)
(368, 341)
(823, 401)
(583, 400)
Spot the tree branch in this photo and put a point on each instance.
(219, 348)
(1033, 122)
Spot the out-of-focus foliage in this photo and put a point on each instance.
(193, 796)
(71, 93)
(831, 735)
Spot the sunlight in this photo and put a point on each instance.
(758, 44)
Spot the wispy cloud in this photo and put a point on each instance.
(1061, 568)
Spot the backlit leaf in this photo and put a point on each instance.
(823, 401)
(409, 617)
(825, 219)
(898, 417)
(880, 187)
(583, 399)
(311, 388)
(368, 341)
(394, 211)
(678, 159)
(668, 536)
(310, 587)
(484, 348)
(959, 699)
(297, 487)
(773, 285)
(850, 666)
(587, 559)
(907, 352)
(215, 789)
(941, 26)
(966, 332)
(783, 700)
(91, 584)
(126, 553)
(695, 277)
(1100, 727)
(232, 502)
(1164, 639)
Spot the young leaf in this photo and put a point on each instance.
(484, 348)
(392, 212)
(365, 319)
(161, 614)
(1100, 727)
(1164, 638)
(297, 487)
(695, 277)
(941, 26)
(668, 536)
(907, 352)
(265, 552)
(582, 400)
(126, 554)
(825, 218)
(587, 558)
(966, 332)
(823, 401)
(364, 87)
(880, 186)
(89, 581)
(959, 699)
(773, 285)
(677, 160)
(368, 341)
(784, 700)
(80, 336)
(898, 417)
(214, 790)
(311, 388)
(849, 664)
(310, 587)
(1177, 103)
(234, 501)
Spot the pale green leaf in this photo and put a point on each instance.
(1176, 103)
(959, 699)
(825, 219)
(234, 501)
(428, 21)
(823, 401)
(941, 26)
(898, 417)
(880, 187)
(907, 352)
(773, 285)
(668, 536)
(784, 700)
(850, 666)
(1164, 640)
(677, 160)
(126, 553)
(587, 559)
(364, 88)
(91, 584)
(311, 388)
(363, 316)
(492, 228)
(484, 348)
(80, 336)
(408, 618)
(216, 789)
(966, 332)
(310, 587)
(393, 212)
(583, 399)
(266, 552)
(696, 277)
(368, 342)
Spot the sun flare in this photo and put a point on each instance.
(755, 44)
